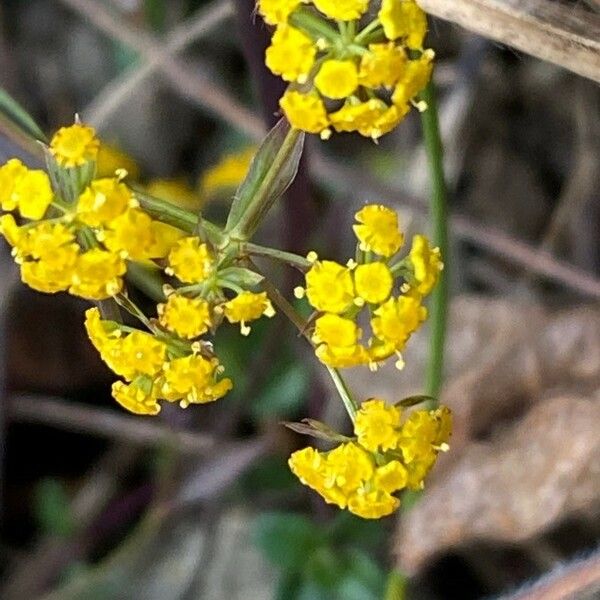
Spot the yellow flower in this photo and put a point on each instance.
(164, 237)
(291, 54)
(397, 319)
(336, 331)
(378, 230)
(75, 145)
(377, 425)
(191, 261)
(32, 194)
(358, 116)
(275, 12)
(136, 398)
(424, 434)
(414, 79)
(342, 10)
(350, 466)
(143, 353)
(102, 201)
(130, 235)
(187, 317)
(329, 287)
(373, 505)
(226, 174)
(373, 282)
(111, 159)
(175, 191)
(342, 357)
(44, 238)
(10, 173)
(247, 306)
(338, 342)
(382, 65)
(305, 111)
(52, 244)
(309, 465)
(192, 380)
(403, 19)
(12, 233)
(391, 477)
(53, 273)
(427, 264)
(337, 79)
(97, 275)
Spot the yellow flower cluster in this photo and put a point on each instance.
(340, 293)
(391, 452)
(343, 77)
(192, 310)
(154, 369)
(80, 246)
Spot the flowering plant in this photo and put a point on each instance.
(76, 228)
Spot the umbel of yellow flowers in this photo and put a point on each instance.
(352, 65)
(391, 452)
(75, 232)
(341, 294)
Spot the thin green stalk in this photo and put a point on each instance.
(167, 213)
(263, 198)
(439, 217)
(288, 310)
(342, 389)
(294, 260)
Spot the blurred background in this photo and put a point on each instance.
(199, 504)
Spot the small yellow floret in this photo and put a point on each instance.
(397, 319)
(191, 261)
(336, 331)
(10, 173)
(75, 145)
(403, 19)
(342, 10)
(414, 79)
(32, 193)
(378, 230)
(291, 54)
(373, 505)
(145, 355)
(187, 317)
(329, 287)
(382, 65)
(97, 275)
(305, 111)
(275, 12)
(337, 79)
(102, 201)
(247, 306)
(130, 235)
(373, 282)
(135, 398)
(427, 264)
(377, 425)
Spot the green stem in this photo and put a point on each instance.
(294, 260)
(344, 392)
(396, 586)
(313, 25)
(288, 310)
(167, 213)
(439, 217)
(263, 199)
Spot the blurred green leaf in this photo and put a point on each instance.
(350, 530)
(287, 539)
(316, 429)
(268, 177)
(271, 474)
(52, 508)
(283, 393)
(11, 109)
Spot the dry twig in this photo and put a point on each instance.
(567, 36)
(96, 421)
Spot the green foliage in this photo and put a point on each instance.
(52, 508)
(16, 114)
(334, 562)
